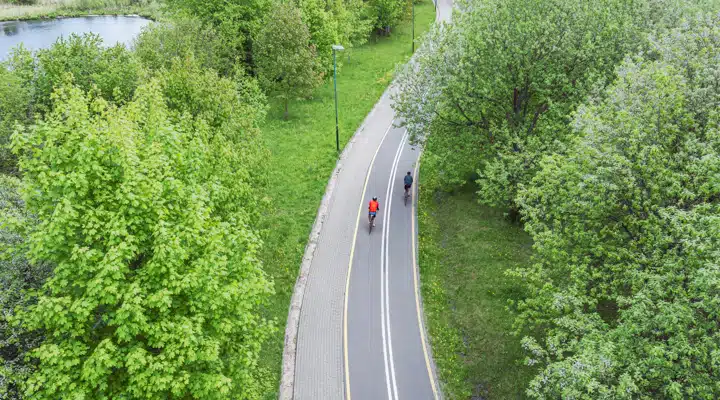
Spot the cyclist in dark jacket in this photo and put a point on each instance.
(408, 182)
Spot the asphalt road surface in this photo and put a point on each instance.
(385, 348)
(360, 333)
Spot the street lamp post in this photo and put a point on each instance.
(413, 26)
(336, 47)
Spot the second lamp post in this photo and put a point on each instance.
(336, 47)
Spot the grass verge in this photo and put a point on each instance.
(45, 9)
(464, 251)
(304, 155)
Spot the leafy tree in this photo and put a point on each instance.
(498, 86)
(335, 21)
(113, 71)
(388, 13)
(147, 215)
(162, 42)
(626, 280)
(355, 21)
(28, 80)
(237, 21)
(324, 32)
(286, 62)
(232, 109)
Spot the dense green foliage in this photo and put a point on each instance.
(28, 81)
(237, 21)
(626, 283)
(15, 99)
(495, 89)
(19, 278)
(142, 185)
(156, 283)
(389, 12)
(240, 24)
(158, 45)
(112, 72)
(286, 62)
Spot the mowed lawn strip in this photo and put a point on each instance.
(304, 155)
(465, 249)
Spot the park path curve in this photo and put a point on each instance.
(357, 290)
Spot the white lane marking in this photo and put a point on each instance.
(384, 283)
(352, 254)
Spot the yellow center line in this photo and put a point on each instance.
(352, 253)
(416, 274)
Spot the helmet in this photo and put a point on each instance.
(408, 172)
(375, 198)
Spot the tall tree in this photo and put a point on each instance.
(626, 280)
(388, 13)
(147, 214)
(237, 21)
(324, 30)
(355, 21)
(286, 62)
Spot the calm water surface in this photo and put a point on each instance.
(40, 34)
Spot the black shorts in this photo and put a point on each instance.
(408, 186)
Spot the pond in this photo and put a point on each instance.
(38, 34)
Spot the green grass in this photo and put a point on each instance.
(464, 250)
(303, 157)
(43, 9)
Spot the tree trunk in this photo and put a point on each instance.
(285, 116)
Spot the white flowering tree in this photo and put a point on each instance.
(493, 92)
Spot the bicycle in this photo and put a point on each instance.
(407, 195)
(372, 223)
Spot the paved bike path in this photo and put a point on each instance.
(386, 358)
(323, 346)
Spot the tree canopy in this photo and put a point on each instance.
(157, 280)
(493, 92)
(626, 280)
(286, 61)
(129, 242)
(237, 21)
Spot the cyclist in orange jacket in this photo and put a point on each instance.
(372, 210)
